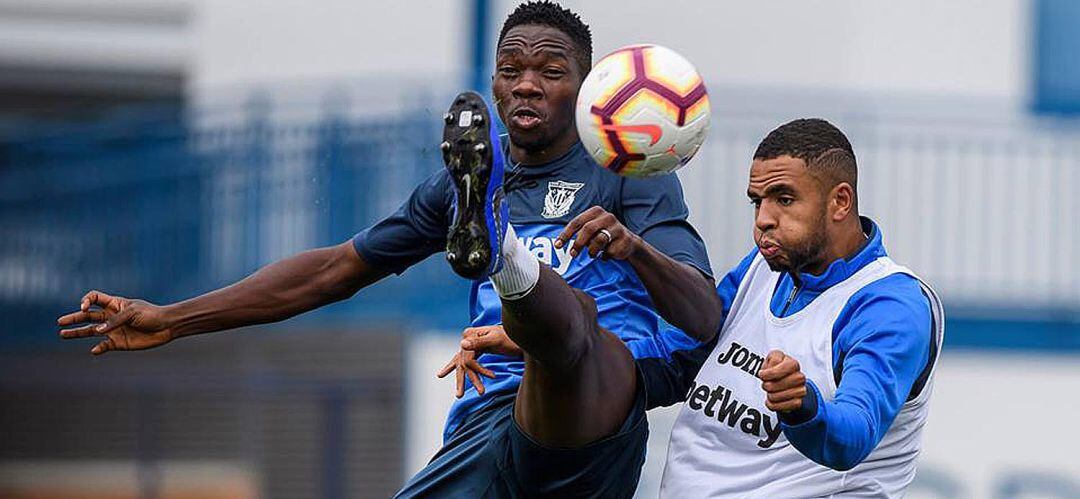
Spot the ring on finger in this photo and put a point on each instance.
(608, 234)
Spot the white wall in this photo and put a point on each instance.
(965, 47)
(252, 42)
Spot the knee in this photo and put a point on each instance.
(588, 330)
(589, 312)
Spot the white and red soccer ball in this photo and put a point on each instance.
(643, 110)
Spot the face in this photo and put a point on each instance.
(790, 214)
(536, 84)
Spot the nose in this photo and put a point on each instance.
(528, 87)
(765, 218)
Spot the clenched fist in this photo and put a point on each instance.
(782, 381)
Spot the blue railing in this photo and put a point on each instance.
(164, 211)
(166, 208)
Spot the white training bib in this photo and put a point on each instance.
(725, 443)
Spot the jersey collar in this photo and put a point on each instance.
(841, 269)
(544, 169)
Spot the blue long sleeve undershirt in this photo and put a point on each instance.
(881, 344)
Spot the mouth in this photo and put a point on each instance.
(768, 249)
(525, 118)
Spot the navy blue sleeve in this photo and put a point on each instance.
(654, 209)
(412, 233)
(667, 381)
(881, 345)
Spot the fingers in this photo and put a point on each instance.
(79, 332)
(98, 298)
(598, 232)
(479, 343)
(475, 380)
(793, 380)
(448, 368)
(588, 233)
(777, 366)
(787, 395)
(773, 358)
(115, 321)
(80, 317)
(789, 405)
(459, 380)
(473, 365)
(105, 346)
(604, 236)
(576, 224)
(465, 366)
(471, 332)
(93, 316)
(783, 382)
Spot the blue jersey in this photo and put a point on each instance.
(543, 199)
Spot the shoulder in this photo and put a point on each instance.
(652, 187)
(895, 290)
(895, 305)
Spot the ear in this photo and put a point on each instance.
(841, 201)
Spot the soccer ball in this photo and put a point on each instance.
(642, 110)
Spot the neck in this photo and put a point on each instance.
(845, 244)
(540, 155)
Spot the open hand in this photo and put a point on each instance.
(476, 341)
(125, 323)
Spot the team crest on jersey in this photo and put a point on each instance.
(560, 196)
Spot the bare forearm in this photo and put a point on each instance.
(276, 292)
(683, 295)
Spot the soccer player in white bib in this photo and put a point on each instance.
(818, 383)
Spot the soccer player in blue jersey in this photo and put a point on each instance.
(563, 415)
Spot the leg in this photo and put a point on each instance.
(579, 383)
(579, 416)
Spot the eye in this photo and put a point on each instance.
(554, 73)
(508, 71)
(785, 200)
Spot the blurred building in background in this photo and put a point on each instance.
(161, 149)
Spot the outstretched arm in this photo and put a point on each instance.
(280, 290)
(273, 293)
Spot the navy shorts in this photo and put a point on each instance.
(490, 456)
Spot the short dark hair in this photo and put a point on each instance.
(824, 148)
(551, 14)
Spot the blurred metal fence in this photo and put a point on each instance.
(164, 210)
(314, 413)
(987, 213)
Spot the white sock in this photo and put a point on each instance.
(520, 269)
